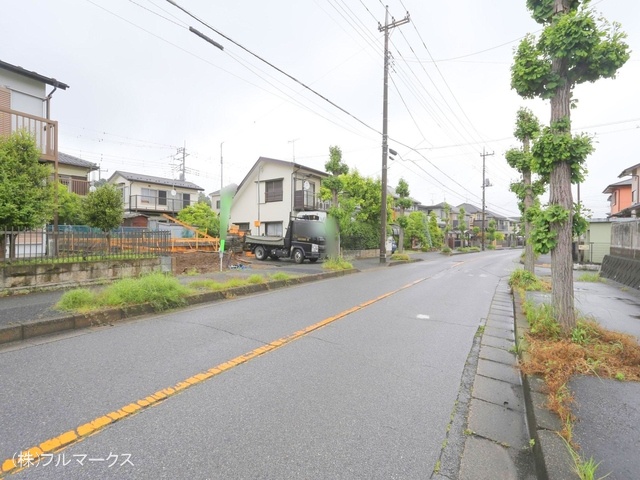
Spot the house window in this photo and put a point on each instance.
(148, 195)
(273, 191)
(273, 228)
(243, 226)
(218, 204)
(162, 197)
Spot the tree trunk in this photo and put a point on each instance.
(529, 257)
(3, 246)
(560, 194)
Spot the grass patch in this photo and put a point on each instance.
(446, 250)
(523, 280)
(160, 291)
(336, 263)
(589, 277)
(80, 299)
(281, 276)
(584, 469)
(400, 257)
(255, 279)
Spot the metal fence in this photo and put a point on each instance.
(76, 244)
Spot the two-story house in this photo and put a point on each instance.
(619, 196)
(25, 105)
(272, 192)
(152, 196)
(633, 209)
(73, 173)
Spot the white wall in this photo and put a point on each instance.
(27, 95)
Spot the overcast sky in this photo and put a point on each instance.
(142, 86)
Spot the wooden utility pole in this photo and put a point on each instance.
(485, 184)
(383, 206)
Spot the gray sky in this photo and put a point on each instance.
(142, 86)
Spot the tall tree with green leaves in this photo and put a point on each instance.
(575, 46)
(462, 224)
(527, 129)
(336, 167)
(435, 232)
(402, 202)
(26, 197)
(103, 209)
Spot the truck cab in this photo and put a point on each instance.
(305, 238)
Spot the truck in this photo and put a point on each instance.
(305, 238)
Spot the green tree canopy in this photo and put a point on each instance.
(70, 208)
(201, 216)
(26, 197)
(103, 208)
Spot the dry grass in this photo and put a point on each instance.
(590, 350)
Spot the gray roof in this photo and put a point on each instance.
(76, 162)
(611, 187)
(33, 75)
(293, 165)
(137, 177)
(628, 171)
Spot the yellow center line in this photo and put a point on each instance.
(31, 455)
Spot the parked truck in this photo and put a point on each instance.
(305, 238)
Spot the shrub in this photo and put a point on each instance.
(446, 250)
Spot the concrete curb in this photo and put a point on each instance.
(551, 456)
(27, 330)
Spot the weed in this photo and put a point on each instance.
(480, 331)
(162, 292)
(206, 284)
(585, 469)
(336, 263)
(532, 442)
(468, 431)
(620, 376)
(279, 276)
(79, 299)
(255, 279)
(522, 279)
(446, 250)
(436, 469)
(192, 272)
(589, 277)
(400, 257)
(542, 322)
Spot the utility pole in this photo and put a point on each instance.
(485, 184)
(183, 162)
(293, 142)
(385, 96)
(221, 177)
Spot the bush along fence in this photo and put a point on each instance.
(43, 245)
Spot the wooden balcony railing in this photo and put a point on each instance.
(74, 185)
(44, 132)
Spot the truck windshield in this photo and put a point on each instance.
(309, 229)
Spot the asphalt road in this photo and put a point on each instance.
(369, 395)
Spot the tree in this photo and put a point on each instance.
(201, 216)
(527, 129)
(574, 47)
(403, 202)
(70, 209)
(462, 224)
(447, 222)
(435, 232)
(26, 199)
(103, 209)
(202, 198)
(491, 230)
(416, 229)
(358, 210)
(336, 168)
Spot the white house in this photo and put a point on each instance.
(24, 105)
(272, 192)
(150, 195)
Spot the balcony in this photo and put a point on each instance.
(76, 185)
(146, 203)
(305, 200)
(43, 131)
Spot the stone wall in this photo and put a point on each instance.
(625, 239)
(14, 278)
(622, 270)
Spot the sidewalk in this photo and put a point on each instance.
(607, 411)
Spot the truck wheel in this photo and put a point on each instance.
(298, 256)
(313, 260)
(260, 253)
